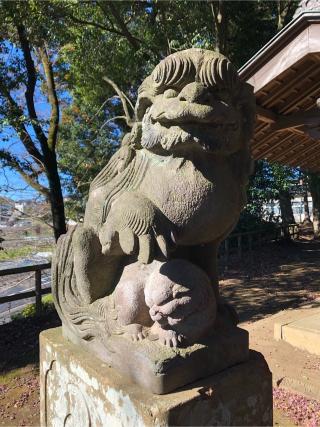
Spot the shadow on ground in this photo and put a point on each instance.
(20, 340)
(277, 276)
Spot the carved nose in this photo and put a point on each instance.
(193, 92)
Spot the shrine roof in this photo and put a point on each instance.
(285, 75)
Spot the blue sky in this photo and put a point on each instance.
(11, 183)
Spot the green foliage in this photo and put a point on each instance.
(124, 41)
(267, 183)
(12, 253)
(30, 309)
(20, 252)
(250, 222)
(125, 46)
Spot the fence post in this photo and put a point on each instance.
(250, 243)
(38, 291)
(226, 253)
(239, 246)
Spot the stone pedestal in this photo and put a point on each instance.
(77, 389)
(161, 369)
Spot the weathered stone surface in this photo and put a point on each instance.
(300, 330)
(162, 369)
(78, 389)
(144, 262)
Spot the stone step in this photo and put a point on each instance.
(302, 333)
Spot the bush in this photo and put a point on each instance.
(30, 309)
(250, 222)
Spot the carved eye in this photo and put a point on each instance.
(224, 96)
(170, 93)
(208, 98)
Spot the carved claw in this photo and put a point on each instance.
(166, 337)
(139, 227)
(135, 332)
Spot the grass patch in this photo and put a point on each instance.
(20, 340)
(30, 309)
(5, 378)
(12, 253)
(20, 252)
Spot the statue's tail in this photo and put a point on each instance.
(73, 312)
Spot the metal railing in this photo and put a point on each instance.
(38, 289)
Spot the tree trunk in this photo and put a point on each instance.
(314, 186)
(306, 207)
(286, 207)
(56, 198)
(220, 25)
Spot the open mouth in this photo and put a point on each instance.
(212, 136)
(188, 126)
(216, 126)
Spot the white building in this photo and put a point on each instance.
(273, 209)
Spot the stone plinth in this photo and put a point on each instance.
(78, 389)
(300, 330)
(161, 369)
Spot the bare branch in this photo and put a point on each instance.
(13, 162)
(17, 125)
(123, 99)
(112, 119)
(38, 217)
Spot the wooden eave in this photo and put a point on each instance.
(285, 75)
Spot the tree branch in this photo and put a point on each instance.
(122, 97)
(17, 125)
(106, 6)
(11, 161)
(38, 218)
(53, 99)
(220, 27)
(94, 24)
(31, 84)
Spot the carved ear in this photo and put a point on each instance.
(146, 93)
(143, 103)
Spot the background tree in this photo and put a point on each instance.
(314, 186)
(27, 68)
(285, 183)
(126, 46)
(87, 40)
(304, 181)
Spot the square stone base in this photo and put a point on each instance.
(160, 369)
(77, 389)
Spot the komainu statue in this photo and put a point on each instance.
(137, 282)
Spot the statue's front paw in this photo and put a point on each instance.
(134, 332)
(166, 337)
(140, 228)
